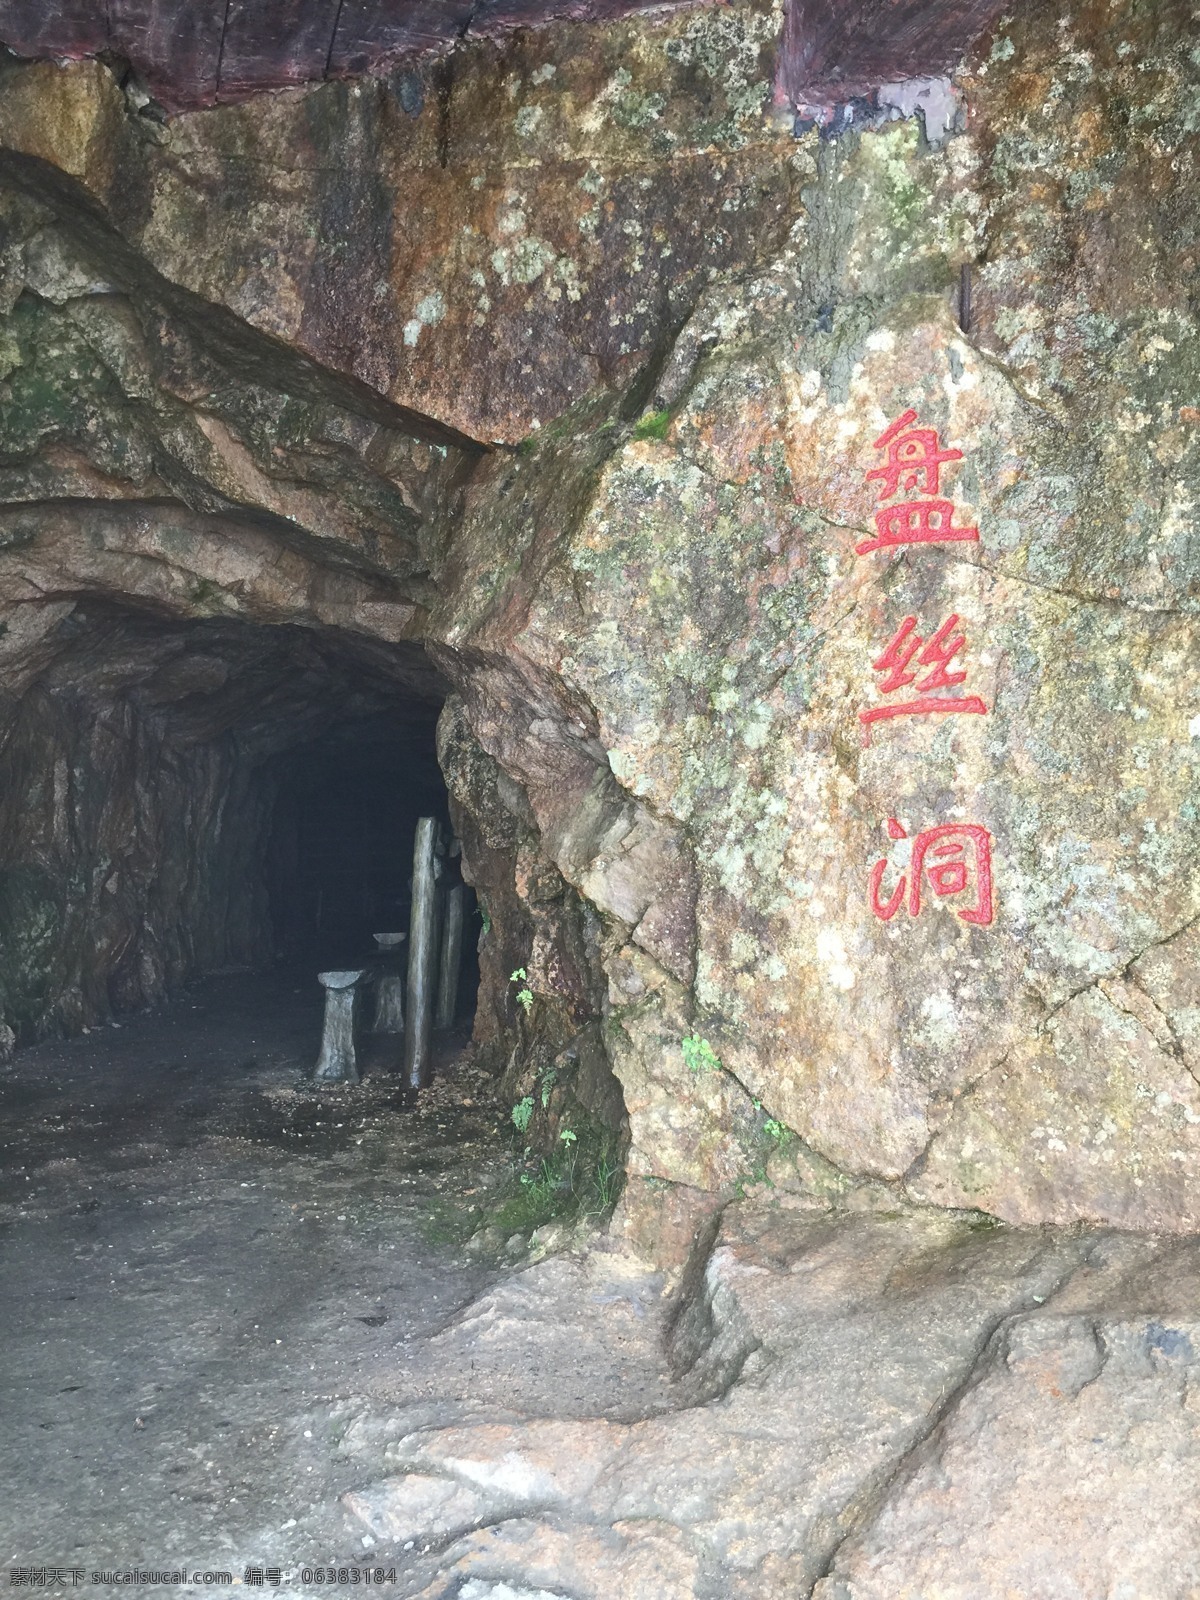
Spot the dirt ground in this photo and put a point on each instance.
(225, 1289)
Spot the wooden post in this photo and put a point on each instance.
(336, 1063)
(421, 955)
(452, 934)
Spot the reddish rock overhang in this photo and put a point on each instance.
(195, 53)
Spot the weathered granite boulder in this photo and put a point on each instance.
(1069, 1466)
(702, 602)
(889, 1407)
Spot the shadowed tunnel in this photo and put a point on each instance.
(184, 797)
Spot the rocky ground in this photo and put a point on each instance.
(246, 1326)
(223, 1286)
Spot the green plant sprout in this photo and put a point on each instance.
(698, 1055)
(578, 1179)
(778, 1132)
(545, 1184)
(549, 1079)
(524, 994)
(653, 425)
(606, 1180)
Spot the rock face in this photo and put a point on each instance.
(871, 1406)
(194, 53)
(120, 879)
(674, 622)
(986, 1510)
(543, 222)
(709, 604)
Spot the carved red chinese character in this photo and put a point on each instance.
(914, 464)
(915, 522)
(913, 453)
(937, 654)
(954, 857)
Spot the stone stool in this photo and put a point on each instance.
(336, 1063)
(389, 986)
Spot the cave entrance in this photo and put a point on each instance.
(188, 797)
(340, 854)
(340, 866)
(208, 812)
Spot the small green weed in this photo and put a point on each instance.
(525, 993)
(698, 1055)
(522, 1113)
(580, 1178)
(779, 1133)
(548, 1079)
(606, 1180)
(541, 1195)
(653, 425)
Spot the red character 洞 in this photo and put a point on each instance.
(914, 462)
(954, 857)
(937, 653)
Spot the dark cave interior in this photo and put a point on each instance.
(179, 797)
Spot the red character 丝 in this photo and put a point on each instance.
(908, 649)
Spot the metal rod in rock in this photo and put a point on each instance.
(336, 1062)
(421, 955)
(452, 936)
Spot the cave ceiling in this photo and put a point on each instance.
(273, 688)
(194, 53)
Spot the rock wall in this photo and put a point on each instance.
(604, 249)
(692, 588)
(541, 215)
(127, 862)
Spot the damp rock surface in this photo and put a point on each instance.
(244, 1314)
(868, 1406)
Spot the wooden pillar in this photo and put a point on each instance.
(452, 935)
(422, 949)
(336, 1063)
